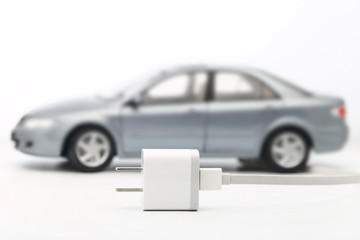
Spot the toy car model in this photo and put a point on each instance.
(221, 111)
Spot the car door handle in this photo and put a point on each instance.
(193, 112)
(269, 108)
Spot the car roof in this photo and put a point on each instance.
(203, 67)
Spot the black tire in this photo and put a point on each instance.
(73, 156)
(269, 155)
(251, 163)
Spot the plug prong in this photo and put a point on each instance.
(129, 169)
(129, 189)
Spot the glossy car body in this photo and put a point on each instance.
(225, 128)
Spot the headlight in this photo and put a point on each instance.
(33, 123)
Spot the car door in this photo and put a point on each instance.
(239, 111)
(171, 114)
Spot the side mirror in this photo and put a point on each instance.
(135, 101)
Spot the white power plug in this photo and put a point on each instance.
(172, 178)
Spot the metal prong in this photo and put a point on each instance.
(129, 189)
(129, 169)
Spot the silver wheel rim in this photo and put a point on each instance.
(288, 149)
(92, 148)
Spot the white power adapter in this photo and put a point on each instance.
(172, 178)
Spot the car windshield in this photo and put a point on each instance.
(129, 90)
(289, 84)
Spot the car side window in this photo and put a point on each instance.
(229, 86)
(181, 88)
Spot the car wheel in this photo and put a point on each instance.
(90, 150)
(286, 151)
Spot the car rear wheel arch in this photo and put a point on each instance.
(297, 129)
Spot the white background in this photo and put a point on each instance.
(55, 50)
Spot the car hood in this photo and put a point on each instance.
(72, 106)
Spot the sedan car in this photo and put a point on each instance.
(221, 111)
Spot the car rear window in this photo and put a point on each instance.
(289, 84)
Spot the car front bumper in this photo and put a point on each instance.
(43, 142)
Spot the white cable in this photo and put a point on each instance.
(289, 179)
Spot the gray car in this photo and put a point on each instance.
(221, 111)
